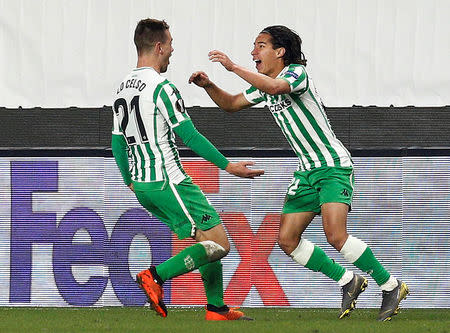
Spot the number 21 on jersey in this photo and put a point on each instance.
(130, 112)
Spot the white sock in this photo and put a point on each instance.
(213, 250)
(346, 278)
(390, 284)
(353, 248)
(302, 252)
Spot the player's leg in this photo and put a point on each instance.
(292, 226)
(301, 205)
(335, 196)
(205, 256)
(188, 211)
(324, 180)
(334, 220)
(212, 278)
(182, 207)
(359, 254)
(336, 191)
(212, 272)
(334, 217)
(305, 252)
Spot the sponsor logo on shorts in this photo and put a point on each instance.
(206, 218)
(345, 193)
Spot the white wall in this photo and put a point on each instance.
(59, 53)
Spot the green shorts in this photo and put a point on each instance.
(309, 190)
(183, 207)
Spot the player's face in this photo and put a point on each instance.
(266, 58)
(167, 50)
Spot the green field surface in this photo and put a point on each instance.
(142, 319)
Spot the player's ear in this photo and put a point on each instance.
(280, 52)
(158, 48)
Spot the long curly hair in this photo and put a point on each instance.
(284, 37)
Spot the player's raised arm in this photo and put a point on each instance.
(263, 81)
(223, 99)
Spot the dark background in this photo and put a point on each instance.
(254, 128)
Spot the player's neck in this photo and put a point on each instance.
(276, 71)
(149, 61)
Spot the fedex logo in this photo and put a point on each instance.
(111, 249)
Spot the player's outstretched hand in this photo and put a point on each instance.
(200, 79)
(240, 169)
(219, 56)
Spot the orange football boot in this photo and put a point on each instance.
(231, 314)
(154, 291)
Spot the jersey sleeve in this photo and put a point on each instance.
(297, 78)
(253, 95)
(119, 149)
(171, 105)
(200, 145)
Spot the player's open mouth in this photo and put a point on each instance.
(258, 62)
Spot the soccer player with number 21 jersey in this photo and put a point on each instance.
(148, 110)
(323, 183)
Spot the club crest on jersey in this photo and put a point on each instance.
(179, 104)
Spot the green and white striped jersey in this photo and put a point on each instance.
(146, 109)
(302, 119)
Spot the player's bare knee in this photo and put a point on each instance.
(282, 244)
(215, 251)
(226, 246)
(336, 240)
(286, 243)
(224, 243)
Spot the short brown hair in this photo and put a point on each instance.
(148, 32)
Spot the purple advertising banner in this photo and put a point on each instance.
(71, 234)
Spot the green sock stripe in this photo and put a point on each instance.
(186, 261)
(369, 264)
(213, 282)
(320, 262)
